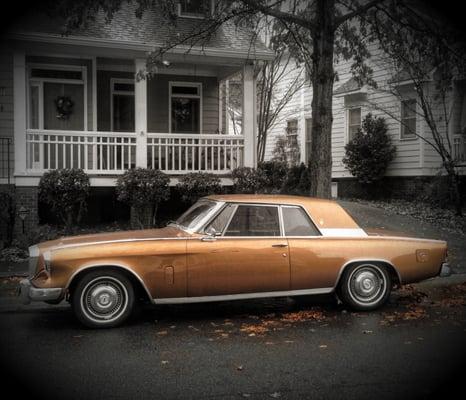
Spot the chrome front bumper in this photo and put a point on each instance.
(445, 270)
(28, 292)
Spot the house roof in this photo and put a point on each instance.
(151, 30)
(351, 85)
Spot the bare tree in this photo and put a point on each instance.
(429, 59)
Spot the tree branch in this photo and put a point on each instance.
(358, 11)
(281, 15)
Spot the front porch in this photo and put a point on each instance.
(194, 115)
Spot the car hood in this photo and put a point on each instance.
(162, 233)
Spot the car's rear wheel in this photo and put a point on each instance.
(365, 286)
(103, 299)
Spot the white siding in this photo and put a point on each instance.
(413, 157)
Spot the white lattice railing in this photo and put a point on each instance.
(115, 152)
(459, 149)
(180, 154)
(94, 152)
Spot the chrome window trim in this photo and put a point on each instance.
(277, 206)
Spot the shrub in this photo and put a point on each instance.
(248, 180)
(66, 192)
(198, 184)
(298, 181)
(143, 189)
(370, 152)
(273, 175)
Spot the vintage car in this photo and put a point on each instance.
(226, 248)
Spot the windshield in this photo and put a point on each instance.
(196, 214)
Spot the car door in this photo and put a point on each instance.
(313, 261)
(244, 253)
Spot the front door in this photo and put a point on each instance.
(245, 254)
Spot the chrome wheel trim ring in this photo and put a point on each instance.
(104, 299)
(367, 284)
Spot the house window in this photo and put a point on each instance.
(122, 105)
(194, 8)
(354, 122)
(185, 107)
(292, 141)
(408, 119)
(308, 139)
(48, 86)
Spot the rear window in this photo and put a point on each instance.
(297, 223)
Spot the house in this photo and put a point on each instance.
(74, 101)
(415, 163)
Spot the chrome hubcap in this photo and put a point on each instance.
(104, 299)
(367, 284)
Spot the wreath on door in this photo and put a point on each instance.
(64, 106)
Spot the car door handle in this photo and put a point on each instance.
(280, 245)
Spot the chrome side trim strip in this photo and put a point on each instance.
(242, 296)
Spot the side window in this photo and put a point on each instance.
(297, 223)
(254, 221)
(218, 224)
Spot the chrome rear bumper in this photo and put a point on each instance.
(29, 293)
(445, 270)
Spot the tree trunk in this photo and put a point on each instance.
(322, 77)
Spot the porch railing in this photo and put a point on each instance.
(115, 152)
(94, 152)
(459, 149)
(181, 154)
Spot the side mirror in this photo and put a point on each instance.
(210, 230)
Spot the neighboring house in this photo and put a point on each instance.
(74, 101)
(414, 158)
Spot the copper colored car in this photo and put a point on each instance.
(226, 248)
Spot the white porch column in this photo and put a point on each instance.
(19, 112)
(249, 116)
(140, 116)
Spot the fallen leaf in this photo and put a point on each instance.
(275, 395)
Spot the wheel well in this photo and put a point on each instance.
(395, 278)
(140, 290)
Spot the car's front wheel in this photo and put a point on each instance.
(365, 286)
(103, 299)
